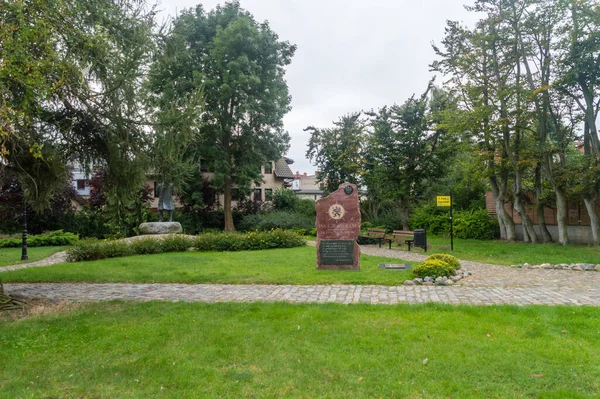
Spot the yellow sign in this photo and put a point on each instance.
(443, 200)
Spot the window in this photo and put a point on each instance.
(82, 184)
(268, 168)
(155, 190)
(268, 194)
(257, 194)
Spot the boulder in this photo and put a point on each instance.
(160, 228)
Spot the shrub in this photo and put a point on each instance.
(175, 243)
(277, 220)
(477, 224)
(472, 223)
(285, 200)
(94, 249)
(145, 246)
(55, 238)
(449, 259)
(433, 268)
(222, 241)
(431, 217)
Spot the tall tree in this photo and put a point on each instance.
(69, 89)
(408, 147)
(467, 58)
(338, 151)
(579, 79)
(240, 65)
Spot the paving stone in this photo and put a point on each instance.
(485, 285)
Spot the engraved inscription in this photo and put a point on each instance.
(336, 252)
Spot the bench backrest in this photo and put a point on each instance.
(403, 233)
(376, 232)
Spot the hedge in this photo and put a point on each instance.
(223, 241)
(54, 238)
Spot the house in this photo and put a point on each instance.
(275, 175)
(306, 186)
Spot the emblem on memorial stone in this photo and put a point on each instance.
(348, 190)
(336, 211)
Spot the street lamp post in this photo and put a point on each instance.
(24, 255)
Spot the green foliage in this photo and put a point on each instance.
(449, 259)
(475, 223)
(250, 241)
(278, 220)
(470, 223)
(338, 151)
(432, 218)
(54, 238)
(96, 249)
(87, 224)
(408, 150)
(285, 200)
(239, 65)
(433, 268)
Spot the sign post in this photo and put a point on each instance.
(446, 200)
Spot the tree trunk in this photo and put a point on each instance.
(590, 206)
(8, 303)
(546, 236)
(561, 216)
(507, 225)
(227, 206)
(529, 233)
(404, 213)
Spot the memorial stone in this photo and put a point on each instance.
(338, 226)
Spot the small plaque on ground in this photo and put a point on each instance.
(395, 266)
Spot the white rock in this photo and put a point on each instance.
(160, 228)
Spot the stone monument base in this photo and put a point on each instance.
(160, 228)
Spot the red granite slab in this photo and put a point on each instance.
(338, 226)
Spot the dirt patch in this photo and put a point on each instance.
(38, 307)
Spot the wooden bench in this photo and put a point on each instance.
(399, 236)
(375, 234)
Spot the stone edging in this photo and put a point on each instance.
(561, 266)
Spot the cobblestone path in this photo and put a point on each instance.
(490, 284)
(56, 258)
(306, 294)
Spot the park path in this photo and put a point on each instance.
(54, 259)
(489, 285)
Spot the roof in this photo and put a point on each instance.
(283, 170)
(309, 192)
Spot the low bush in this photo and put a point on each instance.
(175, 243)
(477, 224)
(471, 223)
(433, 268)
(433, 218)
(222, 241)
(278, 220)
(94, 249)
(55, 238)
(145, 246)
(449, 259)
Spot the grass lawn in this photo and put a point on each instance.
(273, 350)
(505, 253)
(12, 256)
(274, 266)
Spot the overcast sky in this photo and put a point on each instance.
(352, 54)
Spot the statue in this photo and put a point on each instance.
(165, 200)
